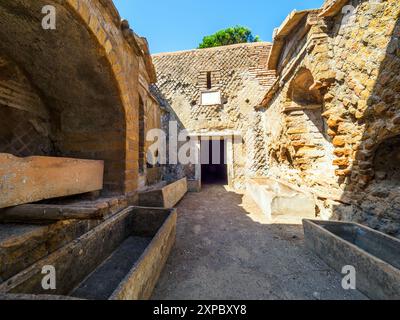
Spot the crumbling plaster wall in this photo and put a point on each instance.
(239, 72)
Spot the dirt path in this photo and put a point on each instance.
(225, 249)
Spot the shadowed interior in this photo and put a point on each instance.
(67, 72)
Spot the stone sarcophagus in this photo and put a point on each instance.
(120, 259)
(374, 256)
(278, 198)
(25, 180)
(166, 196)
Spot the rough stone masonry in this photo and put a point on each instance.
(329, 117)
(332, 116)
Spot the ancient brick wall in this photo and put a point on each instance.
(171, 172)
(363, 114)
(24, 120)
(297, 146)
(330, 134)
(87, 73)
(239, 72)
(149, 119)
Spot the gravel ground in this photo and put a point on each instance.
(226, 249)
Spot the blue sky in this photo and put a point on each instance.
(172, 25)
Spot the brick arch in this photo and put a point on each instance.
(86, 70)
(121, 51)
(301, 89)
(307, 146)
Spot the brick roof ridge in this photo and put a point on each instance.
(220, 48)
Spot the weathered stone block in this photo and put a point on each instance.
(340, 152)
(343, 173)
(342, 162)
(299, 130)
(339, 141)
(32, 179)
(333, 122)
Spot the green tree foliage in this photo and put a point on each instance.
(238, 34)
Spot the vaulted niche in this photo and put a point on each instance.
(304, 95)
(59, 96)
(25, 127)
(387, 162)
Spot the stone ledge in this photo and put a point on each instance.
(25, 180)
(68, 210)
(21, 245)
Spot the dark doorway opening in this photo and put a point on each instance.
(213, 162)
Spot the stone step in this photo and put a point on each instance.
(65, 210)
(21, 245)
(26, 180)
(33, 213)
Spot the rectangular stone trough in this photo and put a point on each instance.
(120, 259)
(164, 197)
(276, 198)
(26, 180)
(374, 255)
(31, 232)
